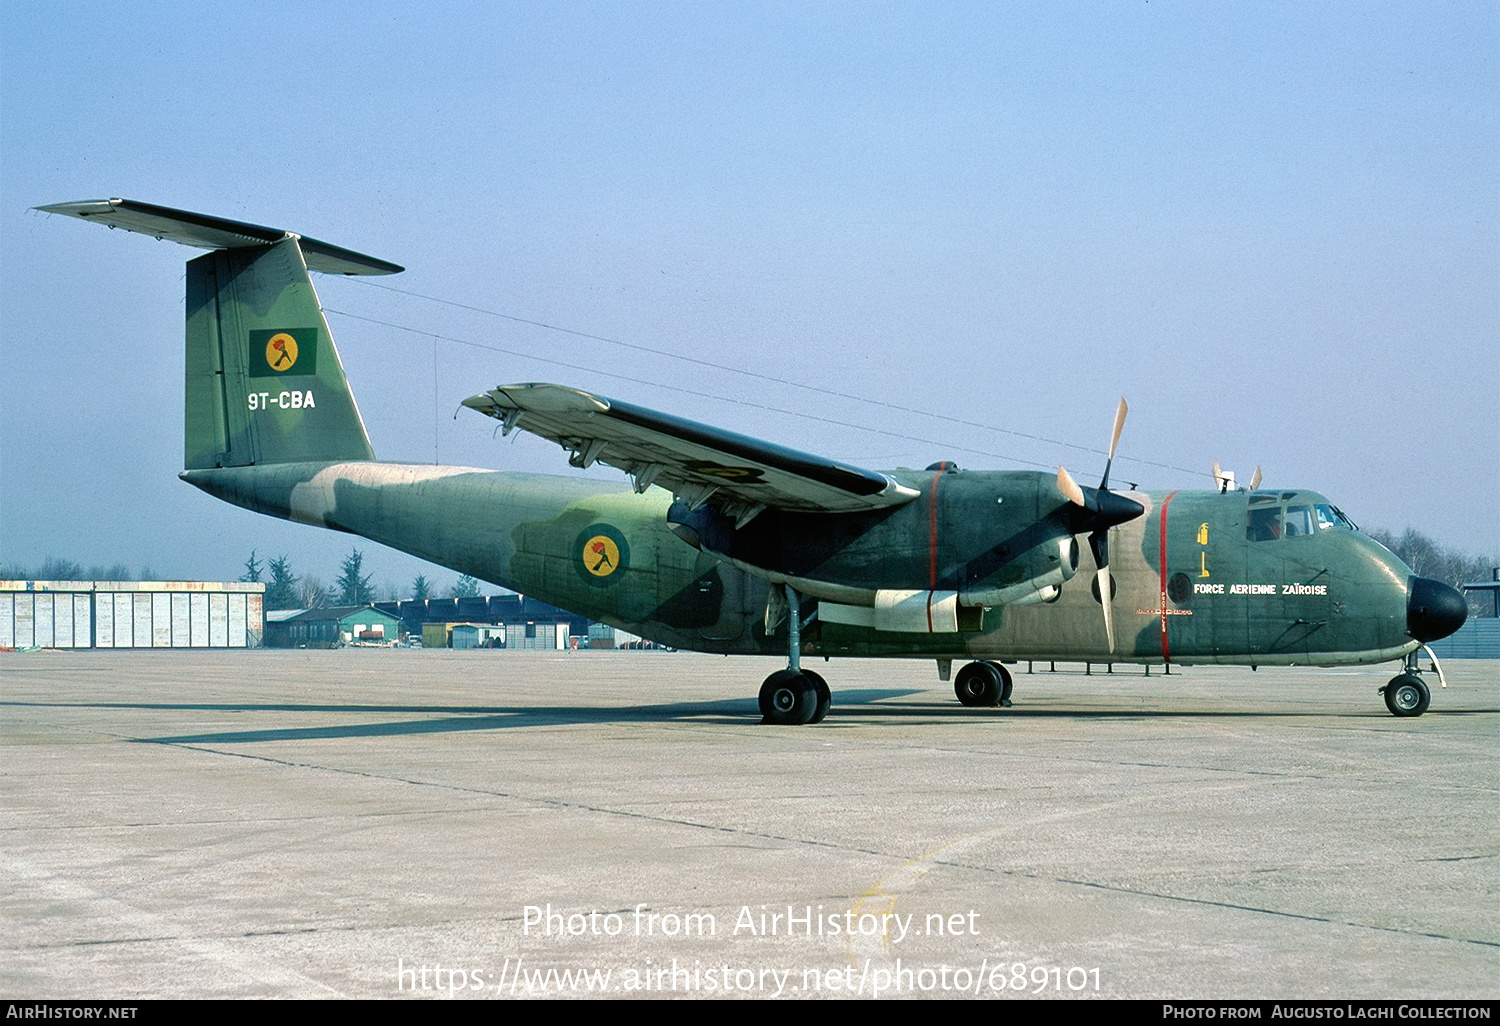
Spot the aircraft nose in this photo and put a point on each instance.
(1433, 609)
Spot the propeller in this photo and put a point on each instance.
(1224, 480)
(1097, 510)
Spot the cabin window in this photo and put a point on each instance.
(1180, 589)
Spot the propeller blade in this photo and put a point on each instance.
(1255, 479)
(1069, 487)
(1099, 544)
(1223, 479)
(1102, 577)
(1114, 441)
(1120, 412)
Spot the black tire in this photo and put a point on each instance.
(825, 696)
(788, 698)
(978, 685)
(1407, 695)
(1005, 682)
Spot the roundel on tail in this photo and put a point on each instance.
(281, 352)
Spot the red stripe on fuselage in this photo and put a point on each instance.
(932, 533)
(1166, 653)
(932, 547)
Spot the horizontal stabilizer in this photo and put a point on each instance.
(206, 232)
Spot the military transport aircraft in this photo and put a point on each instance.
(728, 544)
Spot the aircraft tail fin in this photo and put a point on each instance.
(264, 381)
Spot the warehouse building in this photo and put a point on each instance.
(331, 627)
(130, 614)
(479, 609)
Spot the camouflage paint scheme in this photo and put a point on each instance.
(527, 532)
(271, 425)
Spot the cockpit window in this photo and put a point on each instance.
(1269, 523)
(1264, 524)
(1331, 516)
(1298, 521)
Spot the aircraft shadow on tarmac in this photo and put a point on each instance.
(854, 708)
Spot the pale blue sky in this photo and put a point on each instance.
(1274, 228)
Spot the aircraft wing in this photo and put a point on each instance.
(698, 463)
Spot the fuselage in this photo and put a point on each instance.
(1246, 578)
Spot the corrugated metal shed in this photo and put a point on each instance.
(130, 614)
(536, 636)
(1477, 639)
(478, 635)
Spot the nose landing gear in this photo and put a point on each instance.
(1407, 693)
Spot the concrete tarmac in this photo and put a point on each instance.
(376, 823)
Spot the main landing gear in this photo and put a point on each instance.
(794, 696)
(1407, 694)
(983, 683)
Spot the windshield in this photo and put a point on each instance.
(1271, 522)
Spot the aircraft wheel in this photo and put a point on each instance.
(788, 698)
(978, 684)
(825, 696)
(1407, 695)
(1006, 683)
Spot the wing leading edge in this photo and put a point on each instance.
(698, 463)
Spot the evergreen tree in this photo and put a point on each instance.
(252, 569)
(420, 589)
(467, 587)
(354, 590)
(281, 592)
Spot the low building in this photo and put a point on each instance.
(476, 635)
(416, 614)
(130, 614)
(331, 627)
(1477, 639)
(536, 636)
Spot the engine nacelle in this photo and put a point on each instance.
(1035, 577)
